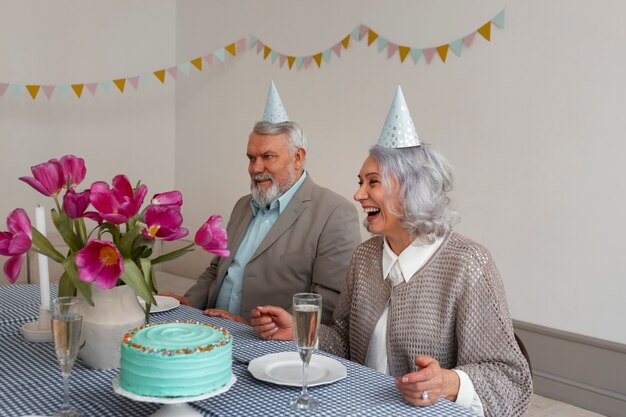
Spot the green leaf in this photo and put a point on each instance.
(84, 288)
(112, 229)
(133, 277)
(66, 288)
(173, 255)
(81, 230)
(64, 226)
(126, 241)
(148, 275)
(43, 246)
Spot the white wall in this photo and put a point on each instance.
(531, 120)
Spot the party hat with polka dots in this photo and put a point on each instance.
(274, 110)
(399, 131)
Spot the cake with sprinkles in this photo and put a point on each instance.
(175, 359)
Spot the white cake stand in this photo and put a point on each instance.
(172, 406)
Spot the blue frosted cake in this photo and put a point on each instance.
(177, 359)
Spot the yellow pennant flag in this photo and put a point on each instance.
(318, 59)
(231, 48)
(266, 51)
(120, 83)
(195, 62)
(33, 90)
(371, 36)
(485, 30)
(345, 41)
(160, 74)
(78, 89)
(404, 51)
(290, 61)
(443, 52)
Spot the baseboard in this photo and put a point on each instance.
(584, 371)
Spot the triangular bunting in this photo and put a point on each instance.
(78, 89)
(120, 83)
(457, 46)
(106, 86)
(146, 79)
(160, 74)
(252, 41)
(467, 40)
(266, 51)
(371, 36)
(326, 55)
(220, 54)
(197, 63)
(416, 53)
(307, 60)
(33, 90)
(429, 53)
(381, 43)
(91, 87)
(391, 49)
(241, 45)
(47, 90)
(499, 20)
(281, 60)
(184, 67)
(173, 71)
(337, 49)
(345, 42)
(16, 89)
(134, 81)
(443, 52)
(318, 59)
(299, 63)
(273, 56)
(404, 51)
(485, 30)
(355, 33)
(208, 58)
(259, 46)
(231, 48)
(3, 88)
(290, 61)
(362, 31)
(63, 90)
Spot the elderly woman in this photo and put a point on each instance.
(421, 302)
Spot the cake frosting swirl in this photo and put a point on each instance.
(175, 359)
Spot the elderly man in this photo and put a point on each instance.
(290, 235)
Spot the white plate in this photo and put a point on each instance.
(285, 368)
(163, 303)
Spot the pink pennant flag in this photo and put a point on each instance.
(208, 58)
(429, 53)
(173, 71)
(467, 41)
(259, 46)
(134, 81)
(91, 87)
(47, 90)
(362, 31)
(281, 60)
(391, 49)
(307, 60)
(337, 49)
(241, 45)
(3, 88)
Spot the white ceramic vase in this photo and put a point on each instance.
(115, 311)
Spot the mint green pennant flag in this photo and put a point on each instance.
(273, 55)
(499, 20)
(355, 32)
(326, 55)
(416, 53)
(299, 61)
(220, 54)
(63, 90)
(146, 79)
(252, 41)
(16, 89)
(457, 46)
(184, 67)
(381, 43)
(105, 85)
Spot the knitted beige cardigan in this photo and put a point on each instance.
(453, 309)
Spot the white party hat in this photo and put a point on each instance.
(399, 131)
(274, 110)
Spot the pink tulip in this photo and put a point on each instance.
(173, 199)
(212, 238)
(75, 204)
(164, 222)
(15, 243)
(117, 204)
(74, 169)
(101, 262)
(47, 178)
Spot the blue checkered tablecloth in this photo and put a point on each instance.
(31, 384)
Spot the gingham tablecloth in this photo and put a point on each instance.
(31, 384)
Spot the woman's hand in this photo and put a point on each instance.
(216, 312)
(431, 378)
(272, 323)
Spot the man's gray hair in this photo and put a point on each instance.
(295, 135)
(424, 179)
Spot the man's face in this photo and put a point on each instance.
(272, 168)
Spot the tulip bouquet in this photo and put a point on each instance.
(119, 248)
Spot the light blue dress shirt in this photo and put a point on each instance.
(263, 218)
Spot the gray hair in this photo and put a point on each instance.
(424, 179)
(295, 135)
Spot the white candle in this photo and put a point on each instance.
(44, 278)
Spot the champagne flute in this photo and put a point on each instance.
(67, 321)
(307, 313)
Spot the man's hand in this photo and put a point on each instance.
(216, 312)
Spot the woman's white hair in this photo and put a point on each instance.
(424, 178)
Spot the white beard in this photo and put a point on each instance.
(265, 198)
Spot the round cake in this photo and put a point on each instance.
(175, 359)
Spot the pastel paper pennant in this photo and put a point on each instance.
(381, 43)
(281, 59)
(252, 41)
(443, 52)
(326, 55)
(391, 49)
(134, 81)
(208, 58)
(404, 51)
(48, 90)
(416, 53)
(318, 59)
(63, 90)
(16, 89)
(173, 71)
(307, 61)
(231, 48)
(362, 31)
(91, 87)
(197, 63)
(457, 46)
(429, 53)
(485, 31)
(241, 45)
(185, 67)
(160, 74)
(355, 33)
(3, 88)
(259, 46)
(337, 49)
(299, 63)
(220, 54)
(120, 83)
(468, 39)
(78, 89)
(146, 79)
(499, 20)
(273, 56)
(33, 90)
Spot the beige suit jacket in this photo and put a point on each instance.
(308, 249)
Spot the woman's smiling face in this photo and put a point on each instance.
(374, 198)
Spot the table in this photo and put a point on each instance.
(31, 384)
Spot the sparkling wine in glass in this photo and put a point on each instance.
(307, 313)
(67, 323)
